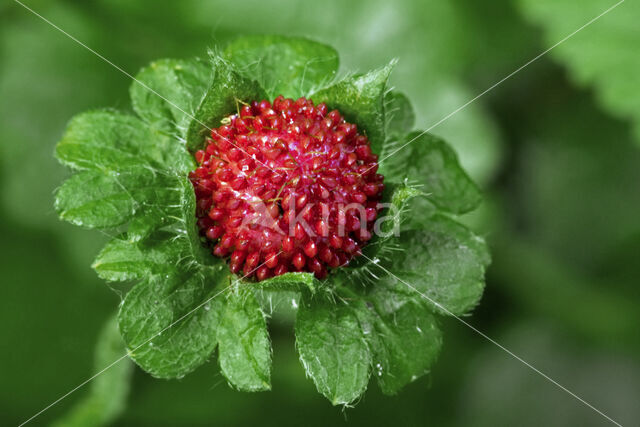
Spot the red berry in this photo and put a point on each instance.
(288, 244)
(280, 270)
(326, 254)
(335, 241)
(220, 251)
(214, 232)
(271, 260)
(322, 228)
(310, 249)
(272, 185)
(263, 273)
(298, 261)
(252, 260)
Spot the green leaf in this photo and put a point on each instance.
(169, 322)
(104, 199)
(187, 226)
(445, 262)
(106, 398)
(399, 114)
(288, 66)
(283, 293)
(122, 259)
(228, 89)
(289, 282)
(360, 99)
(333, 349)
(283, 302)
(604, 56)
(403, 336)
(148, 220)
(419, 210)
(429, 161)
(396, 200)
(168, 91)
(130, 173)
(397, 197)
(95, 200)
(244, 346)
(113, 141)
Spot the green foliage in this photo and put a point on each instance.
(167, 93)
(445, 262)
(399, 115)
(245, 349)
(94, 200)
(397, 329)
(227, 91)
(97, 199)
(122, 259)
(132, 180)
(290, 281)
(169, 322)
(399, 198)
(112, 141)
(333, 350)
(430, 161)
(360, 99)
(130, 172)
(286, 66)
(600, 57)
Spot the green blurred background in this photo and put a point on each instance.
(556, 149)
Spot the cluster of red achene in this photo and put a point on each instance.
(285, 187)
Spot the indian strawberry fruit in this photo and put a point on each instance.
(286, 186)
